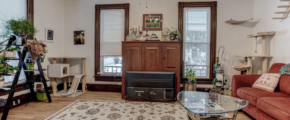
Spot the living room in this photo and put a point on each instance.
(144, 59)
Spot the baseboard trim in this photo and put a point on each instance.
(104, 87)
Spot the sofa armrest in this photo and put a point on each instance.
(239, 81)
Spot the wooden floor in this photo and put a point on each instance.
(41, 110)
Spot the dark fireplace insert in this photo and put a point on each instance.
(150, 86)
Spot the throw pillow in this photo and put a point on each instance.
(267, 82)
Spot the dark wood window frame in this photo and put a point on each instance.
(98, 8)
(213, 33)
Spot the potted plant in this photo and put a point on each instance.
(5, 69)
(191, 81)
(20, 28)
(9, 52)
(174, 34)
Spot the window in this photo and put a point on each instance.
(112, 35)
(12, 9)
(197, 40)
(112, 25)
(197, 22)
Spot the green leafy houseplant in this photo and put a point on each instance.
(190, 74)
(5, 68)
(18, 27)
(175, 31)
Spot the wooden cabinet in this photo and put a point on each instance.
(151, 56)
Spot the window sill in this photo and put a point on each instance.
(108, 78)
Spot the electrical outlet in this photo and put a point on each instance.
(14, 103)
(18, 101)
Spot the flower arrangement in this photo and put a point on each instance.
(36, 49)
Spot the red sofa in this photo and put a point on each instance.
(264, 105)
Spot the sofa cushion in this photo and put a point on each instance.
(284, 84)
(267, 82)
(275, 107)
(252, 94)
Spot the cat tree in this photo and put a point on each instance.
(249, 59)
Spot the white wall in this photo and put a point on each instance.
(80, 15)
(279, 44)
(50, 14)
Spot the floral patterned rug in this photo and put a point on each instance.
(105, 110)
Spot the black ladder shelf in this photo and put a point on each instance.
(21, 65)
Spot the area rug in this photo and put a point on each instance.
(105, 110)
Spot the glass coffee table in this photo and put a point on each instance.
(210, 106)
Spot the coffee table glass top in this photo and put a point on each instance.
(209, 103)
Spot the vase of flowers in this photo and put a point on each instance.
(36, 49)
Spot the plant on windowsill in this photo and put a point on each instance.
(191, 81)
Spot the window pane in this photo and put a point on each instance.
(197, 24)
(11, 9)
(112, 64)
(195, 54)
(200, 71)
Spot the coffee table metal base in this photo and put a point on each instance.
(225, 116)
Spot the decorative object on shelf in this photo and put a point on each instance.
(29, 64)
(20, 27)
(49, 34)
(2, 81)
(190, 85)
(79, 37)
(153, 37)
(36, 49)
(152, 22)
(236, 22)
(175, 34)
(38, 87)
(9, 52)
(165, 33)
(133, 34)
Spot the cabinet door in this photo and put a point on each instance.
(151, 57)
(131, 57)
(171, 57)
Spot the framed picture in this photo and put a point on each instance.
(49, 35)
(152, 22)
(79, 37)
